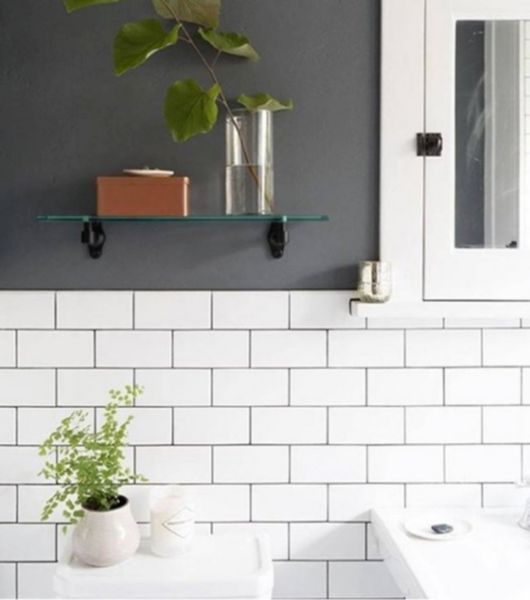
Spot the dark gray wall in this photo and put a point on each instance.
(65, 118)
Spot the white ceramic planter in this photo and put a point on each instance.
(102, 539)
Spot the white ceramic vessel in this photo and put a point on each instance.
(102, 539)
(172, 521)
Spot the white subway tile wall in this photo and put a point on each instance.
(149, 426)
(207, 349)
(31, 498)
(278, 535)
(483, 386)
(327, 541)
(289, 425)
(280, 412)
(288, 349)
(21, 542)
(30, 310)
(328, 464)
(172, 310)
(251, 387)
(51, 348)
(133, 349)
(8, 503)
(405, 387)
(354, 502)
(328, 387)
(441, 348)
(443, 425)
(366, 348)
(28, 387)
(8, 426)
(34, 424)
(211, 425)
(174, 387)
(8, 577)
(251, 310)
(306, 579)
(80, 387)
(361, 580)
(94, 310)
(506, 347)
(251, 464)
(366, 425)
(35, 580)
(444, 494)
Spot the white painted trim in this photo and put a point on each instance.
(402, 116)
(488, 10)
(472, 310)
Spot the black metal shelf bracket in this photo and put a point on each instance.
(93, 236)
(278, 238)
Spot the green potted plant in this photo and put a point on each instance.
(89, 468)
(191, 109)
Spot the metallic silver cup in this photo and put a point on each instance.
(375, 282)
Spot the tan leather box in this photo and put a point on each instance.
(143, 196)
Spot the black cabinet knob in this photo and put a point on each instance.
(429, 144)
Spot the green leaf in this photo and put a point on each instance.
(201, 12)
(73, 5)
(230, 43)
(138, 41)
(264, 102)
(190, 110)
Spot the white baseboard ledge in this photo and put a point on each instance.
(442, 309)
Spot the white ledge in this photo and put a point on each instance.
(472, 309)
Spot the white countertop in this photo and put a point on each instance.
(491, 563)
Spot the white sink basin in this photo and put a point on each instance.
(491, 563)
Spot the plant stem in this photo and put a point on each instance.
(214, 61)
(224, 100)
(210, 68)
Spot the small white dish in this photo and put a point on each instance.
(421, 527)
(149, 172)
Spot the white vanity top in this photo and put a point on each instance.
(491, 563)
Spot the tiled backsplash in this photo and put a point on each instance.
(278, 409)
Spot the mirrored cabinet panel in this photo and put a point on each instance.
(455, 150)
(491, 130)
(476, 195)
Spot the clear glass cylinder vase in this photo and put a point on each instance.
(249, 163)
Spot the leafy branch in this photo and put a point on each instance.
(189, 109)
(88, 465)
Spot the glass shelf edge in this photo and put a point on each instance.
(189, 219)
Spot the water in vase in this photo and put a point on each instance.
(249, 190)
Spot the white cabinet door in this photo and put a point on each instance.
(477, 194)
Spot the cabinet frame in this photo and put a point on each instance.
(403, 181)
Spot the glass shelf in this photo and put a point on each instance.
(189, 218)
(93, 234)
